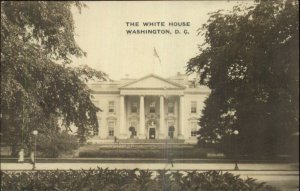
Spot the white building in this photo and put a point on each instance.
(151, 107)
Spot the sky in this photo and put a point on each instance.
(101, 31)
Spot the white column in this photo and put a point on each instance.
(142, 118)
(181, 118)
(162, 118)
(122, 117)
(176, 124)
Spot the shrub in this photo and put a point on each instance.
(144, 153)
(56, 143)
(127, 180)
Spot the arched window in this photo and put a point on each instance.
(132, 131)
(171, 132)
(132, 128)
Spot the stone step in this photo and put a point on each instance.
(96, 140)
(160, 141)
(100, 141)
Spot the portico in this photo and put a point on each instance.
(153, 95)
(158, 116)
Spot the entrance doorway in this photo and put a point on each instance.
(151, 133)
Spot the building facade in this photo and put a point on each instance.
(151, 107)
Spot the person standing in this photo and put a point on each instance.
(21, 156)
(32, 157)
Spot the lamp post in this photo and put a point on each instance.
(235, 132)
(35, 132)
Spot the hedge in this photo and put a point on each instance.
(127, 180)
(144, 153)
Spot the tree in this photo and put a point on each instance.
(39, 87)
(250, 61)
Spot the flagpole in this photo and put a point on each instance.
(153, 63)
(155, 54)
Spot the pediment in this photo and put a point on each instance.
(152, 82)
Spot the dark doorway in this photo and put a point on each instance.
(152, 133)
(171, 132)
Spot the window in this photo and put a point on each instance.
(170, 107)
(194, 129)
(111, 106)
(132, 128)
(171, 132)
(111, 133)
(152, 107)
(134, 107)
(193, 107)
(111, 127)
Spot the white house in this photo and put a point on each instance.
(151, 107)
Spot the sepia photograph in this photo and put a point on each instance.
(150, 95)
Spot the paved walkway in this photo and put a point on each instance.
(155, 166)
